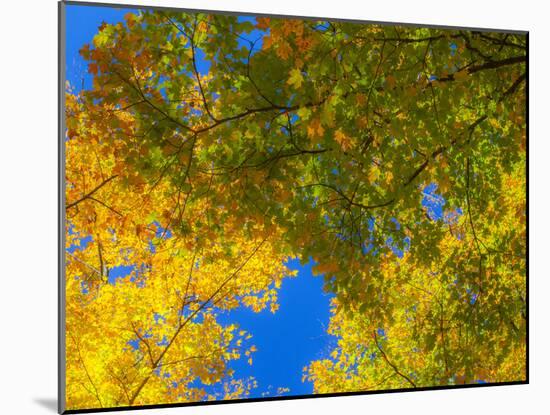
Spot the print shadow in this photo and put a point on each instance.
(48, 403)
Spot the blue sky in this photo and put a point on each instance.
(287, 340)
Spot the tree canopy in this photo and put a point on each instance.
(211, 149)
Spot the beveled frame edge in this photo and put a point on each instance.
(61, 360)
(286, 16)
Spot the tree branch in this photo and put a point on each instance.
(190, 317)
(396, 370)
(87, 195)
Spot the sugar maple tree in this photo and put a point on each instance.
(168, 302)
(211, 149)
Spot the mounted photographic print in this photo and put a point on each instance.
(269, 207)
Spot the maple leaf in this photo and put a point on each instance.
(342, 139)
(296, 78)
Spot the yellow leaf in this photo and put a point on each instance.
(295, 78)
(342, 139)
(494, 123)
(303, 113)
(373, 175)
(315, 130)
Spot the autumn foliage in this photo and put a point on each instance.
(302, 138)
